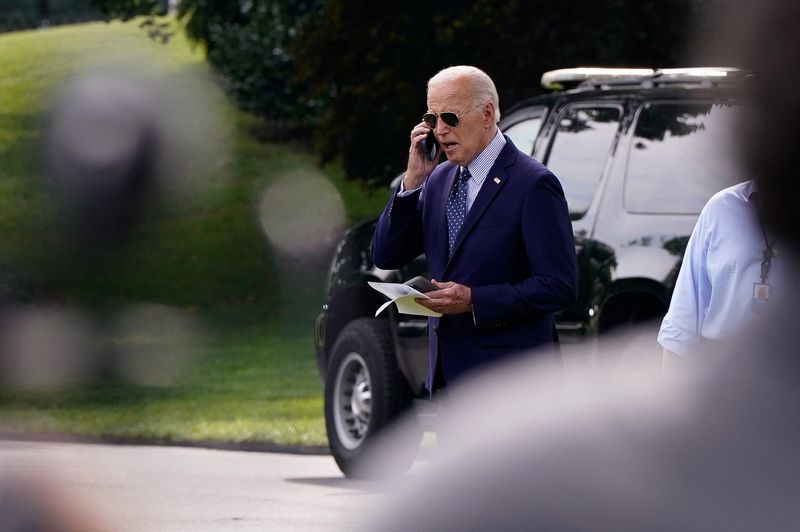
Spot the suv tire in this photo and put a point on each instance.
(364, 392)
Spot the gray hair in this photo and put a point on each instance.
(482, 86)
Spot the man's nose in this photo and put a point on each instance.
(441, 127)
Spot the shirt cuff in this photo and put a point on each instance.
(402, 192)
(678, 341)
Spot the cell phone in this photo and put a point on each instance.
(420, 284)
(430, 146)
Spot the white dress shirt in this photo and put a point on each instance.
(714, 294)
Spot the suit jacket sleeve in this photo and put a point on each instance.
(550, 248)
(398, 234)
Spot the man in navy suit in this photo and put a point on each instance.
(493, 224)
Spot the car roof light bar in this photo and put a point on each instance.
(703, 76)
(571, 77)
(699, 72)
(559, 79)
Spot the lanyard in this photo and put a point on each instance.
(769, 252)
(769, 247)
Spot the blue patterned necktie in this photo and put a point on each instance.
(457, 208)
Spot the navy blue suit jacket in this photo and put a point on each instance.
(515, 251)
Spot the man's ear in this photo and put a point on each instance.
(488, 115)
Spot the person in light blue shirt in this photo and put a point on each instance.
(731, 270)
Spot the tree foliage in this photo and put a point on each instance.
(249, 44)
(356, 69)
(26, 14)
(375, 58)
(127, 9)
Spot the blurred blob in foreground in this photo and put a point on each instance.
(51, 348)
(121, 141)
(764, 37)
(530, 447)
(120, 138)
(302, 215)
(157, 344)
(32, 506)
(46, 348)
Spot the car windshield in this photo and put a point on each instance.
(523, 133)
(580, 149)
(681, 154)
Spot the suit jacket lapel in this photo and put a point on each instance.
(495, 179)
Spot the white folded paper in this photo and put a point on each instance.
(403, 296)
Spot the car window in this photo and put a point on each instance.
(682, 153)
(579, 151)
(523, 133)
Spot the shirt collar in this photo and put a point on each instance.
(750, 189)
(480, 165)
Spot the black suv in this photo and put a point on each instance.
(638, 153)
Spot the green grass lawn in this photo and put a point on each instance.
(254, 378)
(254, 388)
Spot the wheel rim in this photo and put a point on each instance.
(352, 401)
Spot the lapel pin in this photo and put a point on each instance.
(497, 180)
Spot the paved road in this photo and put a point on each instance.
(132, 488)
(149, 488)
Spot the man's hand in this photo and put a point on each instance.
(451, 298)
(419, 167)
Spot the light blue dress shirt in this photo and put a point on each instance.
(714, 294)
(479, 168)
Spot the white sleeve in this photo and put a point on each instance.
(681, 329)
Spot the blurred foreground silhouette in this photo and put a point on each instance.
(118, 141)
(531, 447)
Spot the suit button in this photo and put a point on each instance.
(436, 330)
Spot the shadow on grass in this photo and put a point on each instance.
(104, 393)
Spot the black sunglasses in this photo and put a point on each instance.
(451, 119)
